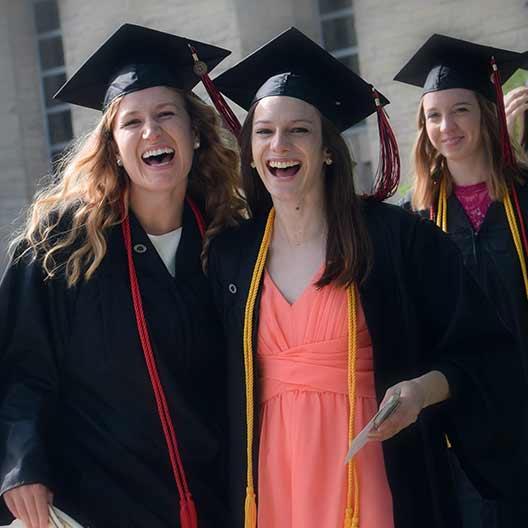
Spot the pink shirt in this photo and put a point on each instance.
(475, 200)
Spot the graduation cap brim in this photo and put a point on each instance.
(341, 95)
(132, 44)
(462, 64)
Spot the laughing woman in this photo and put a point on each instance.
(112, 404)
(468, 180)
(331, 304)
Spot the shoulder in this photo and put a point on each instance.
(233, 252)
(234, 239)
(392, 225)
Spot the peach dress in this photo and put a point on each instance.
(302, 365)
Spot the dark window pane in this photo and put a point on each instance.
(46, 16)
(60, 127)
(339, 33)
(352, 62)
(51, 85)
(327, 6)
(51, 53)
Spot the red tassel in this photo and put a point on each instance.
(229, 117)
(188, 515)
(507, 151)
(388, 173)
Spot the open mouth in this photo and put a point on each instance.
(157, 157)
(283, 169)
(453, 140)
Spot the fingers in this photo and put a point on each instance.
(29, 503)
(515, 95)
(515, 104)
(410, 406)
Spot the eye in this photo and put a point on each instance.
(263, 131)
(433, 115)
(299, 130)
(461, 109)
(166, 113)
(130, 123)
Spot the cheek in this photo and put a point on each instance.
(432, 132)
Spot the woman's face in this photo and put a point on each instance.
(154, 139)
(453, 123)
(287, 147)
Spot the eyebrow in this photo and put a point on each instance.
(466, 103)
(267, 121)
(129, 113)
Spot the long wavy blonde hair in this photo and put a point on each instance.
(66, 224)
(429, 166)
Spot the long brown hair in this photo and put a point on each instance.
(88, 189)
(429, 166)
(348, 248)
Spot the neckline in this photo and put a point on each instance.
(309, 287)
(470, 189)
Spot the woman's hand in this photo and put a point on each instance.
(412, 401)
(415, 395)
(29, 503)
(515, 104)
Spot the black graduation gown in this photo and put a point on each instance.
(491, 256)
(423, 311)
(78, 412)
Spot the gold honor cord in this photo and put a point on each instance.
(250, 507)
(352, 514)
(441, 221)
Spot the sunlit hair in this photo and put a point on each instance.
(429, 166)
(66, 224)
(348, 248)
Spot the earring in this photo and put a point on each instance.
(252, 164)
(119, 162)
(197, 144)
(329, 161)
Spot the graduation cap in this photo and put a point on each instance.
(443, 63)
(135, 58)
(293, 65)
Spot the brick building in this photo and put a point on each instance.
(44, 41)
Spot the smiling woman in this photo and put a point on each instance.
(111, 402)
(332, 303)
(469, 181)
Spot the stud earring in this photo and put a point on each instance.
(197, 144)
(119, 162)
(329, 161)
(252, 164)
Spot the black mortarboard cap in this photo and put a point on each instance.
(444, 62)
(293, 65)
(135, 58)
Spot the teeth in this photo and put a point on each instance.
(157, 152)
(283, 164)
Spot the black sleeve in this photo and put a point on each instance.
(466, 341)
(213, 276)
(32, 331)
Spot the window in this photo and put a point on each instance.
(339, 31)
(340, 39)
(53, 75)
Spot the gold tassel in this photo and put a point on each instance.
(349, 518)
(250, 509)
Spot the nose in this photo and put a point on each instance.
(447, 123)
(280, 142)
(151, 129)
